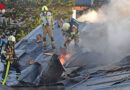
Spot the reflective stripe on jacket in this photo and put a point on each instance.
(46, 19)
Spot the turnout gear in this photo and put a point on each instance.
(18, 75)
(9, 58)
(48, 30)
(53, 27)
(70, 32)
(46, 19)
(47, 25)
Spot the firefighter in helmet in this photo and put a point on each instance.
(9, 58)
(47, 25)
(70, 32)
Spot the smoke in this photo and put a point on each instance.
(108, 30)
(92, 16)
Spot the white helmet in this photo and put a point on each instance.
(65, 26)
(11, 38)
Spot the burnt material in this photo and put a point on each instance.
(52, 72)
(42, 73)
(31, 74)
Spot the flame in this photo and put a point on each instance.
(67, 56)
(64, 58)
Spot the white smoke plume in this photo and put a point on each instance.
(92, 16)
(109, 31)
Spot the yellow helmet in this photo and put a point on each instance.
(44, 8)
(65, 26)
(11, 38)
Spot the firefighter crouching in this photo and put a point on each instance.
(70, 32)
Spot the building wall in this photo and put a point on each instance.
(83, 2)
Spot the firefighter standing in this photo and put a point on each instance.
(70, 32)
(8, 58)
(47, 22)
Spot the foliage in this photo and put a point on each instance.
(20, 35)
(28, 11)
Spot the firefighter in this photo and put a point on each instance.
(2, 44)
(70, 32)
(8, 58)
(47, 22)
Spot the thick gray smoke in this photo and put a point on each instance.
(110, 37)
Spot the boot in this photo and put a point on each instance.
(17, 75)
(53, 45)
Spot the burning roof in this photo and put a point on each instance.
(94, 66)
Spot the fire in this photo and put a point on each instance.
(67, 56)
(64, 58)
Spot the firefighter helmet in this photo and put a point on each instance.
(11, 38)
(65, 26)
(44, 8)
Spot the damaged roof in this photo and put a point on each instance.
(97, 77)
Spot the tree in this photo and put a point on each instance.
(20, 35)
(28, 11)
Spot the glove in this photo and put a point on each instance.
(53, 27)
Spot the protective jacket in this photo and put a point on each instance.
(8, 53)
(46, 20)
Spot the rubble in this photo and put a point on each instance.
(43, 73)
